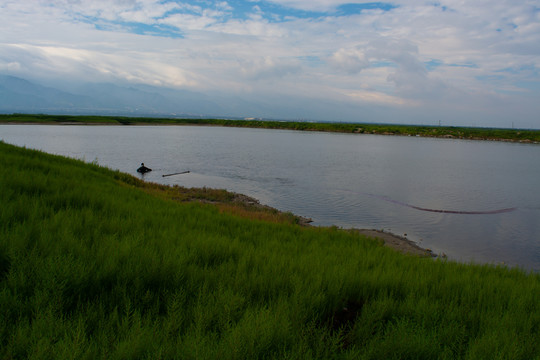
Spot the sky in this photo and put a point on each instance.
(454, 62)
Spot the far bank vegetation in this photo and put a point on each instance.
(451, 132)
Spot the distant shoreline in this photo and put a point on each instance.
(447, 132)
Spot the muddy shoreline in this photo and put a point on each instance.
(396, 242)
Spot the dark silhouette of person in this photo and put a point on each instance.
(143, 169)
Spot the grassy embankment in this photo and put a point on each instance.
(521, 135)
(96, 264)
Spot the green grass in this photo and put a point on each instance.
(93, 265)
(472, 133)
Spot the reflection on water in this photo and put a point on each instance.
(471, 200)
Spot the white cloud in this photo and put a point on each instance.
(268, 68)
(480, 52)
(317, 5)
(223, 5)
(255, 26)
(349, 60)
(188, 21)
(373, 97)
(13, 66)
(56, 62)
(144, 11)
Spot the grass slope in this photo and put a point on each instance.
(94, 266)
(471, 133)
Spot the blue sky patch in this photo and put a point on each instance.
(529, 68)
(139, 28)
(443, 7)
(154, 30)
(351, 9)
(233, 9)
(433, 64)
(490, 77)
(380, 64)
(242, 9)
(468, 65)
(529, 85)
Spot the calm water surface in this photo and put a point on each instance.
(363, 181)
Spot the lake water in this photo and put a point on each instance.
(472, 200)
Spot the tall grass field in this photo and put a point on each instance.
(93, 265)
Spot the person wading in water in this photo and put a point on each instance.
(143, 169)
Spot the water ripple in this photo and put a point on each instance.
(442, 211)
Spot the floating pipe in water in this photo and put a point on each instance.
(178, 173)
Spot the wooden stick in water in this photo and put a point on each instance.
(178, 173)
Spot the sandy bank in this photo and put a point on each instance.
(396, 242)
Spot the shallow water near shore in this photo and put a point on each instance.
(471, 200)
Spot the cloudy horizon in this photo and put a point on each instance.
(416, 62)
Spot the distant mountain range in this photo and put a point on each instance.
(64, 97)
(21, 95)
